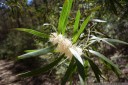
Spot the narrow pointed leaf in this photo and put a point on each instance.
(64, 16)
(69, 72)
(103, 40)
(27, 51)
(64, 28)
(42, 69)
(79, 63)
(68, 12)
(82, 82)
(108, 43)
(117, 72)
(98, 20)
(82, 27)
(95, 69)
(37, 52)
(115, 41)
(80, 69)
(76, 55)
(76, 24)
(33, 32)
(102, 57)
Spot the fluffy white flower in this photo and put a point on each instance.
(63, 44)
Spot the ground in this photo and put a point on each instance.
(9, 70)
(8, 76)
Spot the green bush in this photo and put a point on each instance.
(78, 49)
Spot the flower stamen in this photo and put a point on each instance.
(63, 44)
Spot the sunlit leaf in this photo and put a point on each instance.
(64, 28)
(42, 69)
(82, 27)
(76, 55)
(34, 32)
(37, 52)
(98, 20)
(76, 24)
(79, 63)
(45, 24)
(64, 16)
(27, 51)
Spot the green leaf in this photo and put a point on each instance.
(64, 28)
(102, 57)
(37, 52)
(76, 55)
(81, 81)
(98, 20)
(34, 32)
(95, 68)
(64, 16)
(79, 63)
(76, 24)
(27, 51)
(115, 71)
(103, 40)
(115, 41)
(69, 72)
(82, 27)
(42, 69)
(109, 41)
(80, 69)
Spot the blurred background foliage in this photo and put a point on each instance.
(34, 13)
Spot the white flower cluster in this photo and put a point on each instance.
(63, 45)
